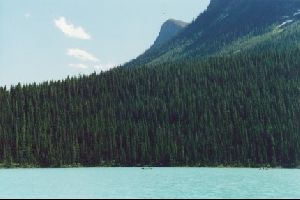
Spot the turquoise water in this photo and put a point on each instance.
(155, 183)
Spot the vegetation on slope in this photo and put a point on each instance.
(223, 25)
(241, 110)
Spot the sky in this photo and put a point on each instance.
(42, 40)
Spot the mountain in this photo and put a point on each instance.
(224, 91)
(225, 24)
(168, 31)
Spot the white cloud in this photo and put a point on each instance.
(88, 58)
(104, 67)
(82, 55)
(78, 66)
(27, 15)
(70, 30)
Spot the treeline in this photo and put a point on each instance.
(239, 110)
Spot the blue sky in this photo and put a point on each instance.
(44, 40)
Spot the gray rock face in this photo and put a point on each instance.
(168, 31)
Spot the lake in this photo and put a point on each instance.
(155, 183)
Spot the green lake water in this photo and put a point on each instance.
(155, 183)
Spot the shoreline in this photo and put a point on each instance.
(74, 166)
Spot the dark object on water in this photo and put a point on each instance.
(147, 168)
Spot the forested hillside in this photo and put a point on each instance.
(225, 24)
(239, 110)
(224, 91)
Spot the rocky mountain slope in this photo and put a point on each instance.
(168, 31)
(230, 26)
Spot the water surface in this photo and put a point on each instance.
(155, 183)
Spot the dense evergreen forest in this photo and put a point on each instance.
(238, 110)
